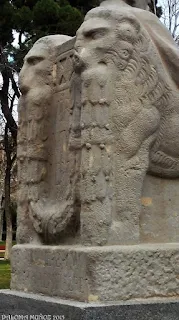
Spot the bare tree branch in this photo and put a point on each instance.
(170, 17)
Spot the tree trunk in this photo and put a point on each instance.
(7, 75)
(8, 217)
(1, 217)
(10, 141)
(1, 222)
(7, 194)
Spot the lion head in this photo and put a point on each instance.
(107, 37)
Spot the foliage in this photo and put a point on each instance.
(84, 6)
(33, 19)
(5, 274)
(6, 22)
(4, 242)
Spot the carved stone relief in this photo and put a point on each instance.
(98, 115)
(125, 80)
(46, 166)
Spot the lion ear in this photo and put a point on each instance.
(141, 4)
(130, 2)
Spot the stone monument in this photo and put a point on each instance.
(98, 156)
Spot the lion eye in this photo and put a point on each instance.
(98, 34)
(95, 34)
(34, 60)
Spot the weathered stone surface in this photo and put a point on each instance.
(111, 273)
(98, 158)
(47, 167)
(159, 219)
(88, 138)
(130, 117)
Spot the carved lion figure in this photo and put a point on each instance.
(36, 210)
(127, 58)
(126, 122)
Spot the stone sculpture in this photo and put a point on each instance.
(125, 124)
(41, 80)
(98, 141)
(134, 103)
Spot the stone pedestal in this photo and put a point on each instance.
(35, 307)
(97, 274)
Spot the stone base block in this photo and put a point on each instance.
(97, 274)
(21, 306)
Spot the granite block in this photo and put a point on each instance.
(21, 306)
(97, 274)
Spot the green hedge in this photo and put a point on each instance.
(5, 274)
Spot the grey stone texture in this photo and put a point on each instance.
(159, 218)
(98, 161)
(27, 305)
(98, 115)
(110, 273)
(130, 117)
(46, 163)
